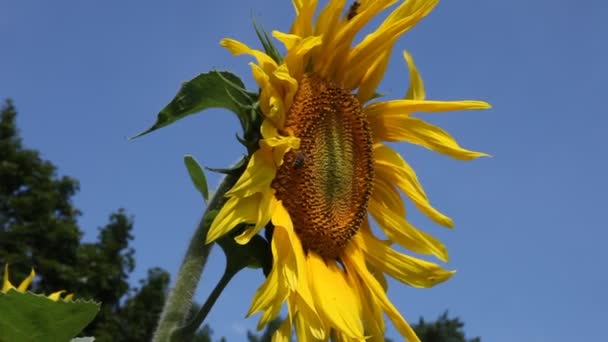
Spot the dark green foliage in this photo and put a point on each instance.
(38, 228)
(136, 318)
(444, 329)
(205, 334)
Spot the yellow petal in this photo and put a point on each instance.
(302, 24)
(292, 258)
(327, 24)
(333, 55)
(385, 193)
(288, 252)
(274, 146)
(372, 77)
(296, 59)
(335, 299)
(6, 283)
(289, 40)
(55, 295)
(406, 107)
(265, 210)
(257, 177)
(303, 331)
(327, 20)
(27, 281)
(270, 100)
(283, 334)
(284, 78)
(372, 317)
(355, 261)
(238, 48)
(402, 232)
(390, 167)
(415, 90)
(315, 328)
(407, 269)
(419, 132)
(382, 40)
(270, 296)
(240, 210)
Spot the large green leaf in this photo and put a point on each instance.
(197, 175)
(26, 317)
(215, 89)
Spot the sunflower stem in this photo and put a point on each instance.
(186, 332)
(179, 301)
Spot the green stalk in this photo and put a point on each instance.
(179, 301)
(186, 332)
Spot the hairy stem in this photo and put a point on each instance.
(186, 332)
(179, 301)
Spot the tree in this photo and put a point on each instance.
(444, 329)
(38, 228)
(205, 334)
(37, 218)
(136, 318)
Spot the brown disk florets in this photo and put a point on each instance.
(325, 185)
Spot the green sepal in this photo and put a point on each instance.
(197, 175)
(237, 169)
(208, 90)
(267, 43)
(31, 317)
(255, 254)
(248, 105)
(376, 95)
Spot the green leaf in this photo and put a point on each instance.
(209, 90)
(30, 317)
(197, 175)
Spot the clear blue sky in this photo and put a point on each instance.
(530, 237)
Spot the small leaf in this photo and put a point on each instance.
(237, 169)
(30, 317)
(197, 175)
(209, 90)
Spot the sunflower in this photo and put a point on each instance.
(322, 169)
(7, 286)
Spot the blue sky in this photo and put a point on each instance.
(530, 236)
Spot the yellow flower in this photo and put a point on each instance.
(322, 166)
(7, 286)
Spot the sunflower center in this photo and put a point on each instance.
(325, 185)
